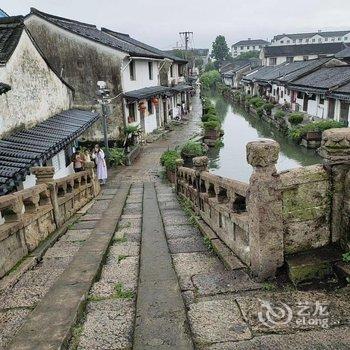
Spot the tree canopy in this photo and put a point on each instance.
(247, 55)
(220, 50)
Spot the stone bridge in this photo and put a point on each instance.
(127, 267)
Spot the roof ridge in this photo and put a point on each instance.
(106, 30)
(33, 10)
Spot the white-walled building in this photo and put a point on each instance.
(319, 37)
(37, 124)
(85, 55)
(276, 55)
(249, 45)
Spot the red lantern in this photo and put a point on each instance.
(155, 100)
(142, 107)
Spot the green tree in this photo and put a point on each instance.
(247, 55)
(220, 50)
(210, 79)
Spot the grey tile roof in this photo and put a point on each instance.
(4, 88)
(344, 53)
(3, 13)
(304, 49)
(23, 149)
(91, 32)
(285, 71)
(325, 78)
(147, 92)
(297, 36)
(132, 41)
(11, 29)
(251, 42)
(303, 68)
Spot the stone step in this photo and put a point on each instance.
(311, 266)
(49, 325)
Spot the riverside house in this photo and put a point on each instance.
(145, 82)
(275, 55)
(317, 87)
(37, 125)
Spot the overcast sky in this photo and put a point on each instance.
(158, 22)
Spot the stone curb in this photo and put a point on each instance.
(222, 251)
(49, 325)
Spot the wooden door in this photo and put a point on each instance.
(331, 108)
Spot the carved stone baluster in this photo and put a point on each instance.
(264, 204)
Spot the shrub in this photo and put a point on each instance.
(116, 156)
(260, 111)
(268, 107)
(207, 117)
(296, 118)
(280, 114)
(192, 149)
(210, 79)
(322, 125)
(257, 102)
(212, 125)
(131, 130)
(168, 159)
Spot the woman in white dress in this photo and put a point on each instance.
(99, 157)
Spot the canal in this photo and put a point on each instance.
(240, 127)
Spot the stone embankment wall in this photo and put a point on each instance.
(276, 214)
(31, 215)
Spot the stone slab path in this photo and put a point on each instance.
(160, 317)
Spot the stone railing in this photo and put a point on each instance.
(29, 216)
(276, 214)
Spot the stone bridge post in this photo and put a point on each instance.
(45, 175)
(264, 207)
(179, 163)
(90, 168)
(335, 150)
(199, 164)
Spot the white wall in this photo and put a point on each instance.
(237, 50)
(316, 39)
(36, 92)
(141, 75)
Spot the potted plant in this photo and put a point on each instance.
(190, 150)
(168, 160)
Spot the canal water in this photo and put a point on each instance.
(240, 127)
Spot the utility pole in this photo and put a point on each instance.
(186, 36)
(104, 101)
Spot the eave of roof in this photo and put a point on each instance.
(4, 88)
(90, 32)
(21, 150)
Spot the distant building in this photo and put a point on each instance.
(319, 37)
(3, 14)
(249, 45)
(275, 55)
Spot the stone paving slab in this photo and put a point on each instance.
(84, 225)
(216, 321)
(10, 322)
(173, 231)
(57, 262)
(187, 245)
(22, 297)
(161, 319)
(124, 271)
(63, 249)
(91, 217)
(171, 205)
(327, 339)
(223, 282)
(99, 207)
(132, 208)
(126, 223)
(338, 310)
(175, 219)
(190, 264)
(124, 249)
(40, 276)
(76, 236)
(108, 326)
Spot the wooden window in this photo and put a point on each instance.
(132, 114)
(171, 71)
(150, 70)
(290, 59)
(132, 70)
(149, 106)
(305, 58)
(321, 100)
(272, 61)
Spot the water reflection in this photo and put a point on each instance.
(240, 127)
